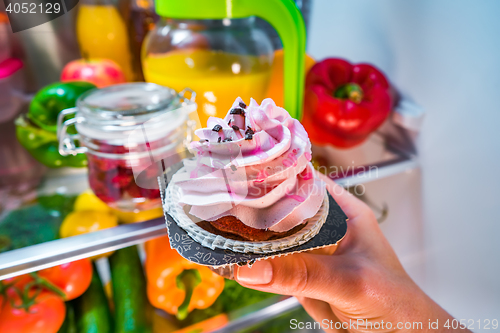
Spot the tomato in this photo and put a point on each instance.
(10, 285)
(72, 278)
(46, 315)
(18, 281)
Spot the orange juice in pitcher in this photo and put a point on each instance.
(218, 59)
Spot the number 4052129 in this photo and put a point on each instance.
(471, 324)
(33, 8)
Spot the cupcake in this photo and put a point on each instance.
(251, 186)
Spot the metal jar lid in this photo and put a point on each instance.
(114, 114)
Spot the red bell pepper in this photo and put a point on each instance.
(344, 103)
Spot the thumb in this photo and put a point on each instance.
(304, 275)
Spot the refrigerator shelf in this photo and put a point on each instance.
(253, 315)
(60, 251)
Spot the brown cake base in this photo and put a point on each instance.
(232, 228)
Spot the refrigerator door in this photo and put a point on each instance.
(47, 48)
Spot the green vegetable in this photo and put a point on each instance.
(68, 325)
(232, 298)
(54, 98)
(44, 145)
(37, 130)
(132, 308)
(58, 204)
(31, 136)
(187, 281)
(92, 313)
(236, 296)
(48, 155)
(34, 224)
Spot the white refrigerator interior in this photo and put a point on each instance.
(444, 219)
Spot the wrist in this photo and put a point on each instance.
(436, 318)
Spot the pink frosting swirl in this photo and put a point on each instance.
(255, 167)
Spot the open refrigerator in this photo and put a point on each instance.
(391, 150)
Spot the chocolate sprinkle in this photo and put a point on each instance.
(233, 168)
(217, 128)
(227, 139)
(248, 136)
(237, 111)
(236, 128)
(219, 139)
(243, 105)
(249, 130)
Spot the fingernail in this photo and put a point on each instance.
(260, 273)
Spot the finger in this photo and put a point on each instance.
(302, 275)
(322, 313)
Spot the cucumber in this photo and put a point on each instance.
(132, 309)
(68, 325)
(92, 313)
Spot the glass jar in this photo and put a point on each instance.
(130, 134)
(219, 59)
(102, 33)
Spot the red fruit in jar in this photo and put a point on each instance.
(121, 180)
(112, 179)
(100, 183)
(134, 191)
(150, 193)
(101, 72)
(107, 148)
(103, 164)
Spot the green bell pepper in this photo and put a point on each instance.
(54, 98)
(44, 146)
(37, 130)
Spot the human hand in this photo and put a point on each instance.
(358, 283)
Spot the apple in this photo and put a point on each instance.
(101, 72)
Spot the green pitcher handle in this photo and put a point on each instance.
(283, 15)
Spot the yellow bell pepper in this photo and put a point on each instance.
(85, 221)
(140, 216)
(177, 285)
(89, 201)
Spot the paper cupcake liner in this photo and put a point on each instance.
(213, 241)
